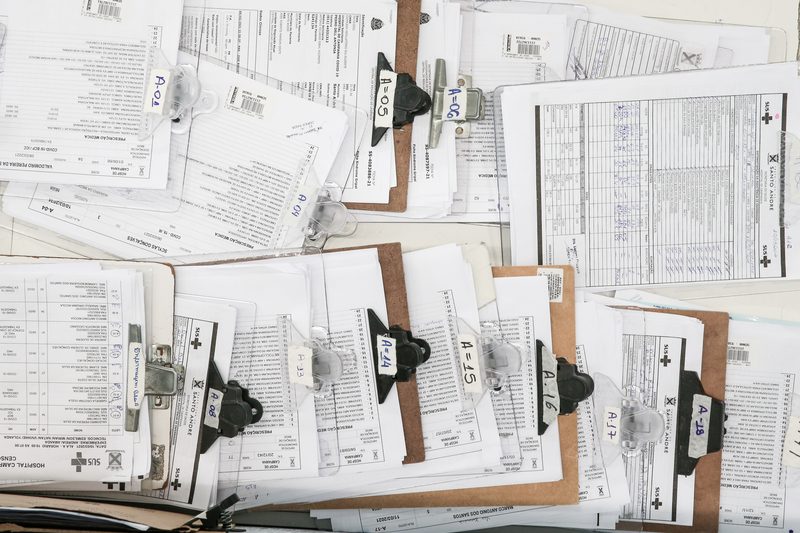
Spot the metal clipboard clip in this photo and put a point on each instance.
(155, 377)
(461, 104)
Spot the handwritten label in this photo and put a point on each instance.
(555, 283)
(791, 444)
(300, 366)
(698, 431)
(469, 357)
(155, 98)
(612, 425)
(387, 356)
(246, 102)
(135, 374)
(302, 200)
(103, 9)
(212, 408)
(551, 400)
(455, 103)
(521, 46)
(384, 99)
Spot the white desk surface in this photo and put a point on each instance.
(775, 300)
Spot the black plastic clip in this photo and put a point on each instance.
(409, 353)
(232, 407)
(409, 99)
(701, 423)
(560, 386)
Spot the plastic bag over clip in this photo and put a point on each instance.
(485, 361)
(625, 425)
(172, 93)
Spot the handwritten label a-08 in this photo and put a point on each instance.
(469, 359)
(455, 103)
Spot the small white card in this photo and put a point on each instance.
(300, 366)
(387, 356)
(469, 357)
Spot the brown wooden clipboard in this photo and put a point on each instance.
(709, 468)
(408, 12)
(562, 316)
(390, 257)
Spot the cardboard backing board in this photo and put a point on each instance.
(390, 257)
(709, 468)
(408, 12)
(564, 492)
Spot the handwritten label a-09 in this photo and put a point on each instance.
(455, 103)
(300, 366)
(469, 359)
(387, 356)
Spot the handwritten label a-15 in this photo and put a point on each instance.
(469, 358)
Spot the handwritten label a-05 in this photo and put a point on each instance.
(455, 103)
(469, 358)
(300, 366)
(387, 356)
(384, 99)
(155, 99)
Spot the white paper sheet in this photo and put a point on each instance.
(330, 53)
(243, 182)
(665, 132)
(74, 87)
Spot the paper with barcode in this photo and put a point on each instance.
(74, 84)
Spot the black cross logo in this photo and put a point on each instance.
(78, 462)
(198, 383)
(196, 343)
(670, 400)
(766, 118)
(114, 458)
(175, 484)
(657, 503)
(765, 261)
(665, 360)
(773, 158)
(110, 485)
(291, 461)
(691, 59)
(600, 491)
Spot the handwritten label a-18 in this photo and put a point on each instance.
(698, 430)
(469, 358)
(300, 366)
(455, 103)
(155, 99)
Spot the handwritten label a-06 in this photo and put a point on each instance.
(469, 359)
(455, 103)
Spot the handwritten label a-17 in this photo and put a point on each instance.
(612, 425)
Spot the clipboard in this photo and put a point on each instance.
(709, 468)
(563, 492)
(408, 13)
(390, 257)
(159, 301)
